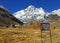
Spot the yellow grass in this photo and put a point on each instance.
(29, 34)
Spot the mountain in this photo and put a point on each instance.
(54, 15)
(54, 18)
(56, 12)
(30, 14)
(7, 19)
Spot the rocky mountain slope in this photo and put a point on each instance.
(32, 14)
(6, 18)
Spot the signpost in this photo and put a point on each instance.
(45, 27)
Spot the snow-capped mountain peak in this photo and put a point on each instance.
(31, 7)
(30, 14)
(56, 12)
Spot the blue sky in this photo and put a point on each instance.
(16, 5)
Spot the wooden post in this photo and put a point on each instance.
(50, 36)
(41, 37)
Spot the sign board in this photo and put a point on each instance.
(45, 26)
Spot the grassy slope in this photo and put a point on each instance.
(28, 34)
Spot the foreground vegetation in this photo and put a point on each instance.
(29, 35)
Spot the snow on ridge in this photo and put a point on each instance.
(33, 14)
(30, 13)
(56, 12)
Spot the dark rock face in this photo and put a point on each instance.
(6, 18)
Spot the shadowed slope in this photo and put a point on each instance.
(6, 18)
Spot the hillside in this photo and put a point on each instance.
(6, 18)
